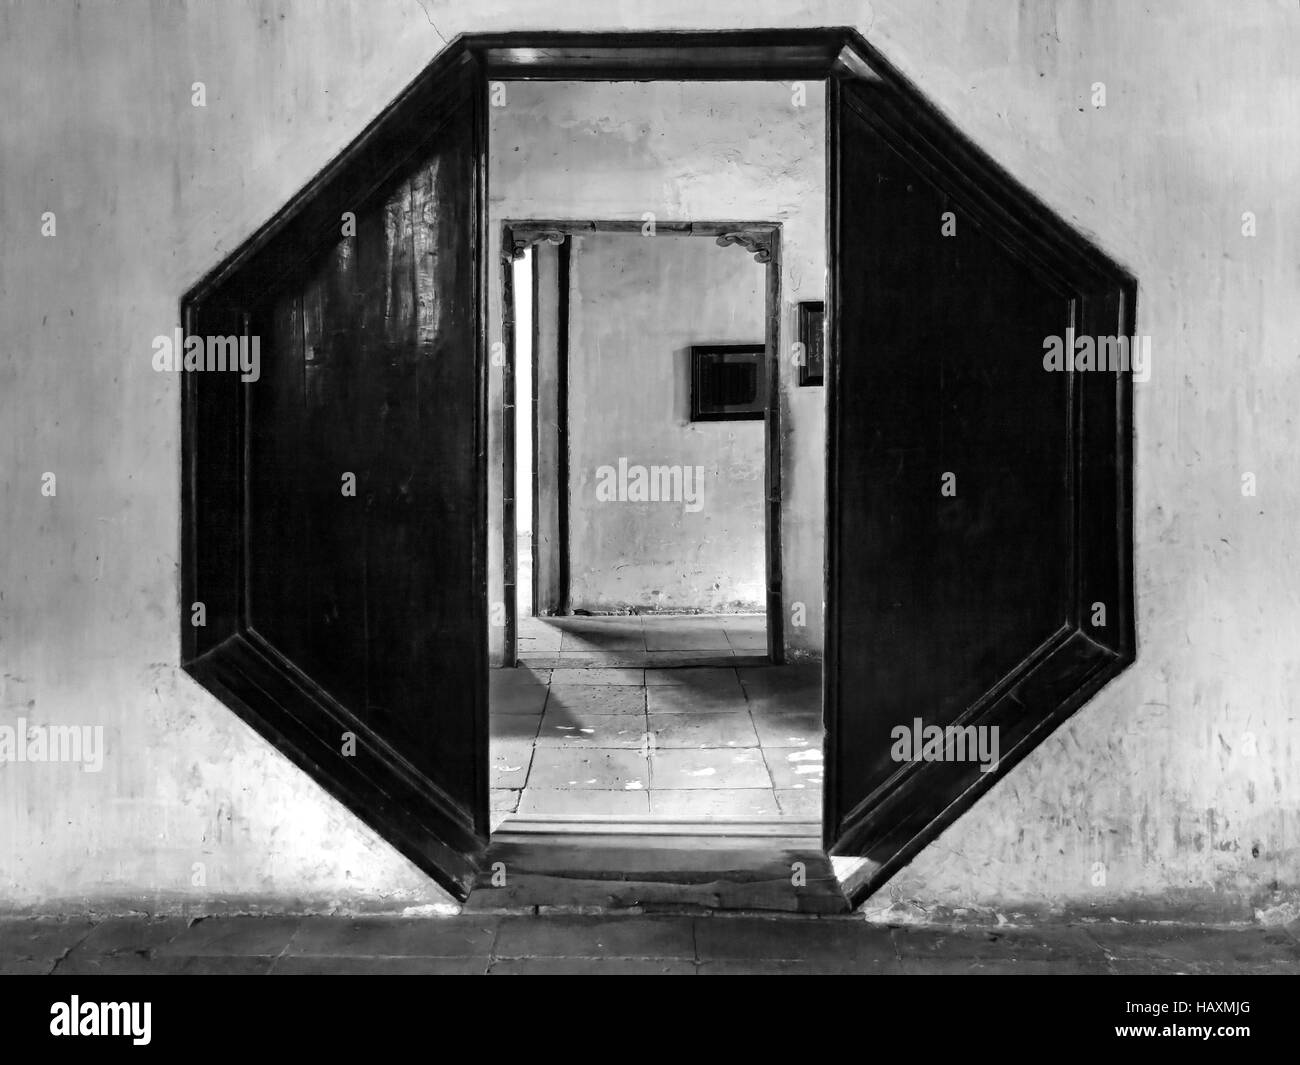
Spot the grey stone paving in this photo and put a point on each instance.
(678, 945)
(590, 725)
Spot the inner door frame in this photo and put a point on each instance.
(763, 240)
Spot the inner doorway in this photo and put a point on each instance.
(643, 372)
(641, 503)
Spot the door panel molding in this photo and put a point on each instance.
(895, 162)
(361, 661)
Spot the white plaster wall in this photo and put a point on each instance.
(637, 306)
(1155, 778)
(688, 151)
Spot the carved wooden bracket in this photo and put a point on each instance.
(522, 240)
(757, 241)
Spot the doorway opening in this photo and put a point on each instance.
(641, 513)
(975, 509)
(659, 385)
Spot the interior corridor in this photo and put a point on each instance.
(674, 717)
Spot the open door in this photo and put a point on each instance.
(978, 504)
(336, 505)
(979, 550)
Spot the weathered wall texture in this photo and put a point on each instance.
(687, 151)
(1181, 778)
(638, 304)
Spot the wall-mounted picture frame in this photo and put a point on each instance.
(812, 335)
(728, 382)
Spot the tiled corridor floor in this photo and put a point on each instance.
(626, 725)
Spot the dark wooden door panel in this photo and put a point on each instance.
(960, 496)
(362, 464)
(942, 390)
(351, 593)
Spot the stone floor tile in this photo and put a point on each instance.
(519, 677)
(515, 691)
(590, 967)
(721, 658)
(798, 768)
(721, 938)
(165, 965)
(379, 937)
(605, 638)
(611, 770)
(1167, 967)
(27, 966)
(574, 702)
(536, 660)
(572, 728)
(537, 646)
(743, 622)
(1142, 943)
(594, 622)
(596, 937)
(811, 967)
(40, 941)
(675, 622)
(747, 641)
(682, 638)
(587, 802)
(505, 800)
(766, 680)
(793, 701)
(1002, 967)
(537, 628)
(801, 804)
(788, 730)
(514, 726)
(328, 966)
(687, 699)
(725, 767)
(629, 659)
(1059, 943)
(130, 935)
(701, 677)
(510, 760)
(526, 705)
(534, 626)
(715, 802)
(230, 937)
(702, 730)
(564, 678)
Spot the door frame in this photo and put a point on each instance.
(763, 241)
(400, 803)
